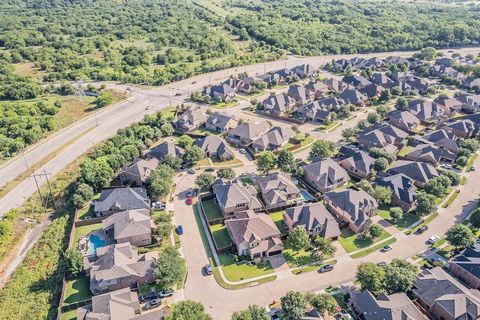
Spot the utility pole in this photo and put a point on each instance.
(39, 192)
(50, 188)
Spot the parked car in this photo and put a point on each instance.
(242, 151)
(326, 268)
(190, 192)
(386, 248)
(152, 304)
(189, 201)
(209, 169)
(178, 94)
(382, 264)
(165, 293)
(179, 230)
(208, 269)
(191, 171)
(433, 239)
(422, 229)
(147, 296)
(158, 206)
(473, 168)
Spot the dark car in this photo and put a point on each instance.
(386, 248)
(179, 230)
(422, 229)
(165, 293)
(209, 169)
(147, 296)
(325, 268)
(152, 304)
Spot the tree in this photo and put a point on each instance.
(396, 213)
(383, 111)
(322, 149)
(461, 236)
(453, 176)
(382, 194)
(425, 203)
(266, 162)
(83, 194)
(253, 312)
(299, 238)
(193, 154)
(323, 303)
(185, 141)
(168, 273)
(428, 53)
(173, 162)
(475, 218)
(402, 104)
(226, 173)
(365, 185)
(375, 231)
(461, 161)
(103, 100)
(160, 181)
(399, 276)
(373, 117)
(385, 95)
(349, 133)
(188, 310)
(293, 305)
(323, 247)
(371, 277)
(380, 164)
(438, 186)
(286, 161)
(73, 261)
(205, 180)
(167, 129)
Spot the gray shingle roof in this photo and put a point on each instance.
(215, 145)
(274, 138)
(326, 172)
(418, 171)
(276, 189)
(129, 223)
(164, 149)
(311, 216)
(355, 203)
(250, 130)
(425, 110)
(219, 120)
(229, 194)
(401, 185)
(122, 199)
(469, 260)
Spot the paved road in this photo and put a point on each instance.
(221, 303)
(123, 114)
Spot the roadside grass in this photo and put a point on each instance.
(221, 236)
(452, 198)
(211, 210)
(463, 181)
(241, 271)
(311, 268)
(297, 258)
(365, 252)
(407, 220)
(447, 252)
(203, 163)
(425, 222)
(470, 163)
(277, 217)
(83, 231)
(439, 243)
(77, 290)
(351, 241)
(440, 199)
(229, 163)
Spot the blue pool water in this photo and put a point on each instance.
(306, 196)
(94, 242)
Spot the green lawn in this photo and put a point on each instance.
(405, 150)
(237, 272)
(470, 163)
(69, 315)
(452, 197)
(87, 211)
(83, 231)
(407, 220)
(351, 241)
(169, 113)
(77, 290)
(374, 248)
(277, 217)
(212, 212)
(221, 236)
(447, 252)
(298, 258)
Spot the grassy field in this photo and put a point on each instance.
(221, 236)
(83, 231)
(211, 210)
(351, 241)
(406, 221)
(241, 271)
(277, 217)
(77, 290)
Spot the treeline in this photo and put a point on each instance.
(333, 26)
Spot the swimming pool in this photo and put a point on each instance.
(306, 196)
(94, 242)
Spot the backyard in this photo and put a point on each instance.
(221, 236)
(277, 217)
(77, 290)
(407, 220)
(243, 270)
(212, 212)
(351, 241)
(83, 231)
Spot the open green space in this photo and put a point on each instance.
(407, 220)
(83, 231)
(277, 217)
(77, 290)
(221, 236)
(241, 271)
(351, 241)
(212, 212)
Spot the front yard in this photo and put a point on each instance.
(351, 241)
(221, 236)
(407, 220)
(212, 212)
(77, 290)
(297, 258)
(83, 231)
(241, 271)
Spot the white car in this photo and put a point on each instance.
(158, 206)
(433, 239)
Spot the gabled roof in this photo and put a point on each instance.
(304, 69)
(229, 194)
(119, 304)
(220, 120)
(166, 149)
(122, 199)
(297, 92)
(276, 137)
(408, 119)
(213, 144)
(223, 89)
(382, 79)
(359, 160)
(352, 96)
(315, 86)
(356, 80)
(192, 116)
(311, 216)
(326, 172)
(443, 138)
(129, 223)
(278, 103)
(418, 171)
(140, 168)
(331, 103)
(354, 202)
(469, 260)
(371, 90)
(425, 110)
(466, 126)
(402, 186)
(425, 152)
(250, 130)
(314, 110)
(248, 226)
(276, 188)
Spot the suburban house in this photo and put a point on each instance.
(466, 266)
(419, 84)
(223, 92)
(445, 61)
(190, 120)
(331, 103)
(277, 190)
(404, 120)
(395, 306)
(137, 173)
(384, 136)
(471, 83)
(273, 139)
(234, 196)
(304, 70)
(120, 199)
(314, 112)
(119, 266)
(222, 123)
(353, 96)
(133, 226)
(352, 206)
(426, 111)
(215, 147)
(120, 304)
(444, 297)
(426, 153)
(278, 104)
(403, 188)
(315, 90)
(371, 90)
(315, 218)
(299, 94)
(381, 79)
(336, 85)
(450, 105)
(445, 139)
(356, 162)
(325, 175)
(246, 132)
(165, 149)
(357, 81)
(471, 103)
(282, 76)
(254, 235)
(420, 172)
(464, 128)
